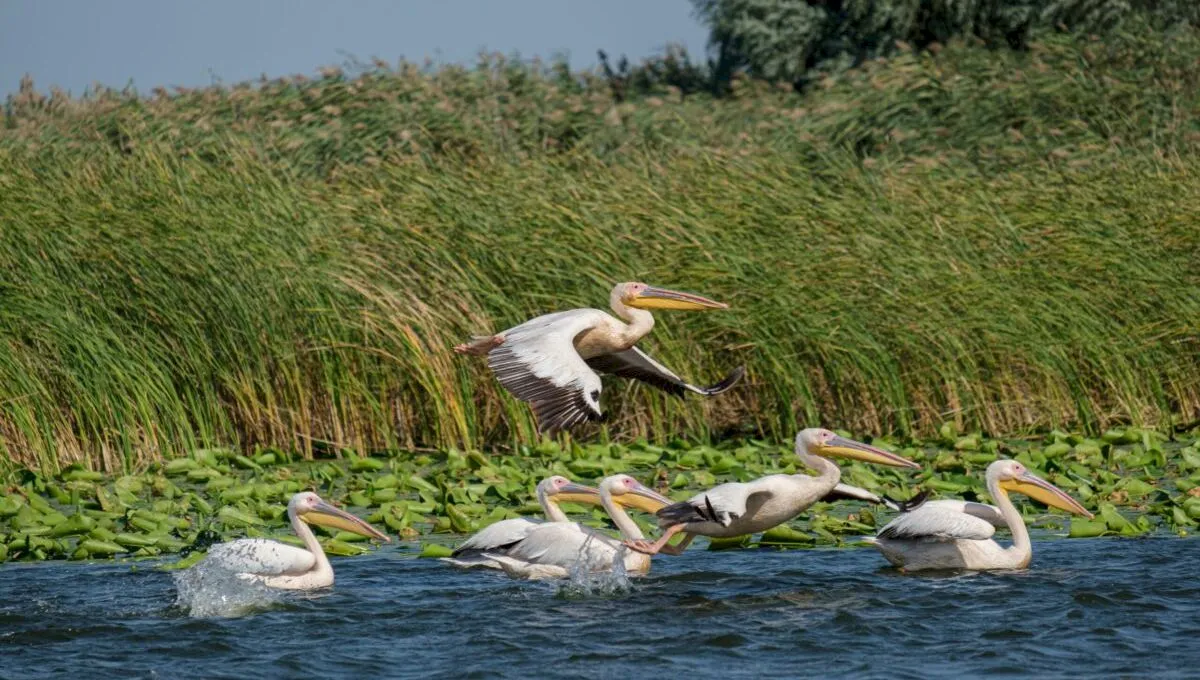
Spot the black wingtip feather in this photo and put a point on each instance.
(679, 513)
(908, 505)
(730, 380)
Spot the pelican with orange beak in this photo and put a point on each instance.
(955, 534)
(551, 361)
(737, 509)
(276, 565)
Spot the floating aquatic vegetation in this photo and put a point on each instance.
(1136, 480)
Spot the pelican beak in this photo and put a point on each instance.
(644, 498)
(661, 298)
(326, 515)
(848, 448)
(1039, 489)
(577, 493)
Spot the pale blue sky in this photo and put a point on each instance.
(74, 43)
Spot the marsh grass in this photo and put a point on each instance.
(1003, 241)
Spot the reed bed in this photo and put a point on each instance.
(1001, 241)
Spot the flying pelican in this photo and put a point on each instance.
(551, 361)
(736, 509)
(553, 549)
(496, 538)
(955, 534)
(277, 565)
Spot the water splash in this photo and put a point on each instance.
(586, 580)
(208, 590)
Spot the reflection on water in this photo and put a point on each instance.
(1087, 608)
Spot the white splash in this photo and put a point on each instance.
(585, 580)
(208, 590)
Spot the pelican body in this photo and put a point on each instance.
(737, 509)
(551, 361)
(955, 534)
(554, 549)
(497, 538)
(277, 565)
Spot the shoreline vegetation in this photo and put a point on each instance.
(1138, 482)
(1001, 242)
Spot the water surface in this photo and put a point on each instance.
(1086, 608)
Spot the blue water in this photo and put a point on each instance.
(1086, 608)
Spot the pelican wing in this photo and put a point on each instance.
(497, 536)
(538, 363)
(635, 364)
(945, 520)
(846, 491)
(565, 544)
(722, 504)
(261, 557)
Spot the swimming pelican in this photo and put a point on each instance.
(496, 538)
(736, 509)
(955, 534)
(553, 549)
(551, 361)
(277, 565)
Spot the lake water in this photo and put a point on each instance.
(1086, 608)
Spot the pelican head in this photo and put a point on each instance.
(642, 296)
(1013, 476)
(311, 509)
(631, 493)
(821, 442)
(564, 490)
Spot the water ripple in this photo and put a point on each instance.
(1086, 608)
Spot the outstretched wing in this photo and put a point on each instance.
(722, 504)
(846, 491)
(945, 520)
(538, 363)
(497, 536)
(635, 364)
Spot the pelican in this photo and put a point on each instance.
(551, 361)
(496, 538)
(736, 509)
(553, 549)
(955, 534)
(286, 567)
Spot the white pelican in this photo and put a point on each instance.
(736, 509)
(551, 361)
(553, 549)
(496, 538)
(287, 567)
(955, 534)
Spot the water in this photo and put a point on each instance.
(1086, 608)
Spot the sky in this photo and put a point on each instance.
(75, 43)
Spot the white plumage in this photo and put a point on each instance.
(551, 361)
(946, 519)
(554, 549)
(737, 508)
(956, 534)
(277, 565)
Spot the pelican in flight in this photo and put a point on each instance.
(955, 534)
(287, 567)
(551, 361)
(496, 538)
(736, 509)
(553, 549)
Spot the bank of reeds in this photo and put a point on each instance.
(1007, 241)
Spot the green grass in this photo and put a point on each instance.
(1003, 241)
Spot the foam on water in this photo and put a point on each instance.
(209, 590)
